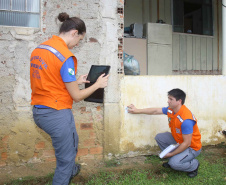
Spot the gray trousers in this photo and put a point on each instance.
(184, 161)
(60, 125)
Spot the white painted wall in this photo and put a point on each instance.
(206, 98)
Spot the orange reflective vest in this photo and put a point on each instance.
(47, 86)
(175, 122)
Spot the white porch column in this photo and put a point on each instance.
(224, 37)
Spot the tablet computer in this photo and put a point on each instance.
(97, 70)
(97, 96)
(94, 73)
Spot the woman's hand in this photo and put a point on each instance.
(102, 81)
(82, 79)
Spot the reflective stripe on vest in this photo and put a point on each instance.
(54, 51)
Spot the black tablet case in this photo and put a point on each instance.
(94, 73)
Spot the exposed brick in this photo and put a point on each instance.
(98, 108)
(87, 157)
(58, 6)
(40, 145)
(86, 126)
(2, 163)
(5, 138)
(75, 4)
(97, 150)
(120, 48)
(44, 30)
(48, 153)
(77, 126)
(35, 154)
(92, 135)
(93, 40)
(5, 145)
(50, 159)
(89, 142)
(83, 110)
(4, 156)
(82, 152)
(99, 157)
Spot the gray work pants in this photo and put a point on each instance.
(184, 161)
(60, 125)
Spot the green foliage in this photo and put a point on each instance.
(211, 171)
(153, 159)
(47, 180)
(222, 145)
(112, 163)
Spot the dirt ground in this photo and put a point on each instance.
(38, 170)
(9, 173)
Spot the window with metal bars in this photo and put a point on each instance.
(22, 13)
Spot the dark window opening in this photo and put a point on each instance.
(193, 16)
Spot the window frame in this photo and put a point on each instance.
(26, 11)
(172, 20)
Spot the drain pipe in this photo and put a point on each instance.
(223, 37)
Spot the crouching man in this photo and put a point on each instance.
(184, 130)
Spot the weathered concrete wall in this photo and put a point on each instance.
(20, 140)
(206, 98)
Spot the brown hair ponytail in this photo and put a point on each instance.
(69, 24)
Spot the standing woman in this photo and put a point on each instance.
(54, 87)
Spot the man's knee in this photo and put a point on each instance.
(158, 137)
(174, 164)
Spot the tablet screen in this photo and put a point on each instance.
(96, 71)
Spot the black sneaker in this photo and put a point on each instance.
(78, 168)
(166, 165)
(193, 173)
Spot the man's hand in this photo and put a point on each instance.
(152, 111)
(183, 146)
(82, 79)
(132, 109)
(168, 155)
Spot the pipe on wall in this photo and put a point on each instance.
(223, 37)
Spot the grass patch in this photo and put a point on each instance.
(47, 180)
(208, 174)
(112, 163)
(153, 159)
(222, 145)
(211, 171)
